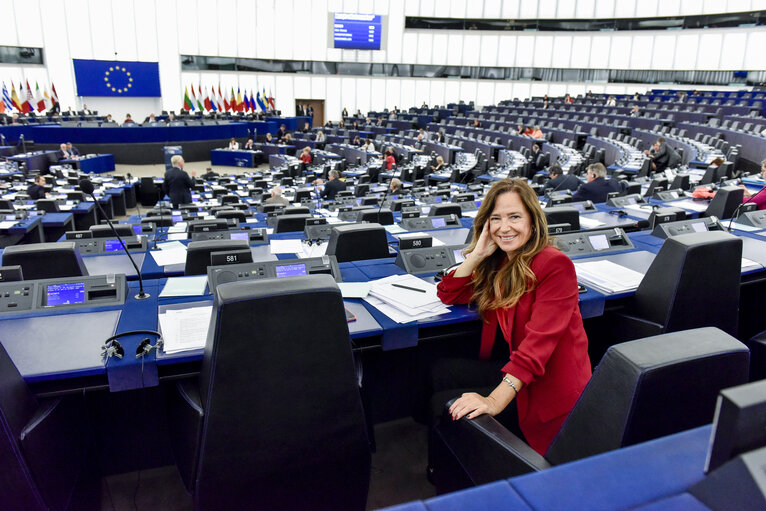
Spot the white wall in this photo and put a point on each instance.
(162, 30)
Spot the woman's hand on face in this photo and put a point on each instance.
(471, 405)
(486, 246)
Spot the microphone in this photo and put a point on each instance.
(87, 187)
(388, 188)
(736, 211)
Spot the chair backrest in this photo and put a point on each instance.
(355, 242)
(447, 208)
(382, 216)
(291, 223)
(45, 260)
(198, 253)
(727, 199)
(48, 205)
(563, 215)
(273, 342)
(693, 282)
(297, 210)
(232, 213)
(650, 388)
(104, 231)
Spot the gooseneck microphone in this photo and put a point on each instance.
(736, 211)
(87, 187)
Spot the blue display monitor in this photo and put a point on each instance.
(357, 31)
(64, 294)
(290, 270)
(244, 236)
(112, 245)
(438, 222)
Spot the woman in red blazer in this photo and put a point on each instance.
(529, 289)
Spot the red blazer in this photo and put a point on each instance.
(549, 348)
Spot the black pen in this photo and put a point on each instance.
(410, 288)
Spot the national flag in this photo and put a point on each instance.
(233, 101)
(213, 100)
(187, 101)
(29, 104)
(249, 106)
(253, 105)
(240, 105)
(207, 101)
(15, 98)
(7, 103)
(193, 99)
(39, 99)
(48, 101)
(54, 94)
(260, 101)
(221, 100)
(199, 97)
(271, 99)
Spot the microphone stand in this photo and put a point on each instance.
(736, 211)
(88, 188)
(388, 188)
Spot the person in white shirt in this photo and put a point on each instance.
(611, 101)
(369, 146)
(233, 145)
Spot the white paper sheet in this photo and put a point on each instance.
(354, 289)
(607, 276)
(168, 257)
(286, 246)
(185, 286)
(185, 329)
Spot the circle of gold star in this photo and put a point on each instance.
(118, 79)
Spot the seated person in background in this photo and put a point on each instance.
(537, 133)
(760, 200)
(476, 123)
(520, 129)
(597, 188)
(249, 146)
(233, 145)
(287, 139)
(269, 139)
(37, 189)
(306, 128)
(440, 137)
(333, 186)
(569, 99)
(276, 197)
(635, 112)
(305, 156)
(281, 132)
(72, 149)
(86, 110)
(355, 126)
(68, 111)
(357, 141)
(171, 117)
(328, 124)
(320, 139)
(611, 101)
(63, 153)
(528, 131)
(533, 358)
(379, 121)
(439, 164)
(128, 119)
(663, 156)
(390, 159)
(560, 181)
(151, 118)
(395, 186)
(368, 146)
(209, 174)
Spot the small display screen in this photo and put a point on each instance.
(438, 222)
(240, 236)
(354, 31)
(599, 242)
(112, 245)
(579, 206)
(10, 217)
(699, 227)
(291, 270)
(177, 218)
(137, 228)
(630, 200)
(64, 294)
(458, 253)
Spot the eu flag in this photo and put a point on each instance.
(117, 78)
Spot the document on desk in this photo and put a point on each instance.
(354, 289)
(177, 227)
(607, 277)
(7, 224)
(313, 250)
(185, 329)
(394, 229)
(691, 205)
(589, 223)
(405, 298)
(286, 246)
(169, 257)
(185, 286)
(749, 264)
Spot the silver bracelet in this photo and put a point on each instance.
(509, 382)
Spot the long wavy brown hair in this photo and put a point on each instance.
(500, 280)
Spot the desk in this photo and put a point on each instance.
(30, 230)
(94, 164)
(37, 161)
(56, 224)
(242, 158)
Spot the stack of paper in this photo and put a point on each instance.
(185, 329)
(589, 223)
(405, 298)
(607, 277)
(173, 252)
